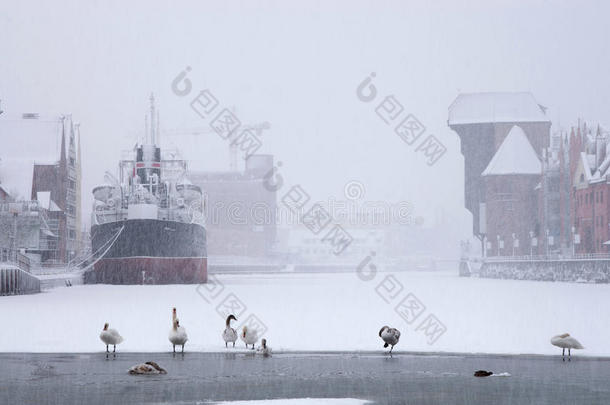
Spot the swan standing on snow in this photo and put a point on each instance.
(110, 337)
(264, 349)
(249, 336)
(229, 334)
(177, 335)
(148, 368)
(390, 336)
(566, 341)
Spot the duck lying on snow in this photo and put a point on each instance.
(148, 368)
(485, 373)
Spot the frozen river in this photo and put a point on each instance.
(296, 311)
(199, 378)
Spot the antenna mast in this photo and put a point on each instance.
(152, 119)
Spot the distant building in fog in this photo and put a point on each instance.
(4, 196)
(240, 210)
(510, 203)
(483, 122)
(590, 188)
(40, 171)
(530, 192)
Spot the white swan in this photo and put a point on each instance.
(148, 368)
(566, 341)
(110, 337)
(390, 336)
(249, 336)
(177, 335)
(264, 349)
(229, 334)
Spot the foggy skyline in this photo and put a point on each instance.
(298, 68)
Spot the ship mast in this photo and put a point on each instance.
(152, 119)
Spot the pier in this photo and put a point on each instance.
(15, 276)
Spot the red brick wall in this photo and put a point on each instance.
(591, 214)
(512, 207)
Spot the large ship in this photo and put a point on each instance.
(147, 225)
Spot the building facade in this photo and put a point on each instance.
(510, 203)
(591, 190)
(40, 164)
(240, 209)
(483, 121)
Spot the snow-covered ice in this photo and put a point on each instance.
(300, 401)
(316, 312)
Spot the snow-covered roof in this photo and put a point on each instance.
(583, 174)
(586, 163)
(514, 156)
(604, 167)
(25, 142)
(475, 108)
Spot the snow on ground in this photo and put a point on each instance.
(317, 312)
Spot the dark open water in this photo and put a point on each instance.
(403, 379)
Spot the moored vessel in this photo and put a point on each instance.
(147, 224)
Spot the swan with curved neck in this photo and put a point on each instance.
(390, 336)
(229, 335)
(249, 336)
(110, 337)
(565, 341)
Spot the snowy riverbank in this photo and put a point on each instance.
(318, 312)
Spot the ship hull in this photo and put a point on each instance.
(148, 251)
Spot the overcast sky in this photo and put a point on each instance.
(296, 65)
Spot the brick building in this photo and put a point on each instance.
(590, 189)
(4, 196)
(511, 206)
(483, 121)
(531, 192)
(41, 170)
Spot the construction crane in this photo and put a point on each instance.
(257, 128)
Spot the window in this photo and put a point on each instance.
(71, 184)
(72, 162)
